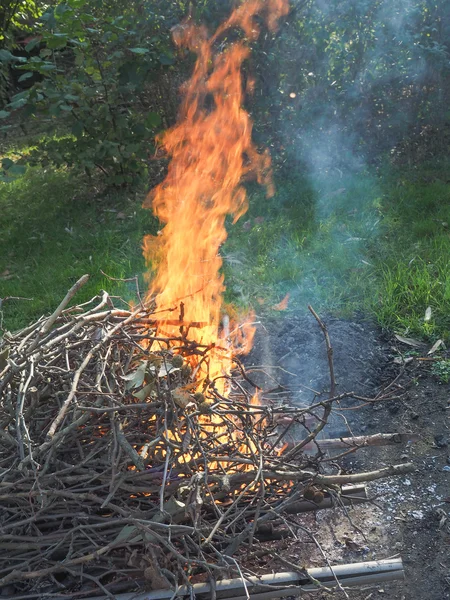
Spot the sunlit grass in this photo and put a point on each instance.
(378, 246)
(54, 229)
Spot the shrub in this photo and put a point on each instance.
(101, 79)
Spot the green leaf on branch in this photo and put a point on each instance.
(57, 41)
(17, 170)
(47, 67)
(6, 56)
(7, 163)
(166, 60)
(17, 103)
(4, 114)
(32, 44)
(49, 19)
(25, 76)
(153, 120)
(139, 50)
(61, 9)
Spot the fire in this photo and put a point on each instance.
(283, 304)
(211, 154)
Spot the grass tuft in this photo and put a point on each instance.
(53, 230)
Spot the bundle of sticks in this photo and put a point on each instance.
(115, 469)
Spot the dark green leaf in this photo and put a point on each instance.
(56, 42)
(164, 59)
(17, 170)
(153, 120)
(47, 67)
(77, 129)
(7, 163)
(17, 103)
(61, 9)
(49, 18)
(25, 76)
(139, 50)
(6, 56)
(20, 95)
(32, 44)
(4, 114)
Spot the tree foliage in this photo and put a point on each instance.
(99, 76)
(104, 75)
(374, 70)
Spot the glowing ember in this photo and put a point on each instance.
(211, 152)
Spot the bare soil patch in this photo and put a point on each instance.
(410, 514)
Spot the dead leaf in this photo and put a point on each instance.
(6, 274)
(143, 394)
(136, 378)
(121, 216)
(403, 361)
(427, 316)
(154, 574)
(164, 369)
(126, 534)
(409, 341)
(435, 347)
(186, 440)
(351, 545)
(182, 398)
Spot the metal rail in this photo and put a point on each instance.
(280, 585)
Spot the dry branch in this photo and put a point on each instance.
(112, 452)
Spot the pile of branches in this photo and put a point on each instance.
(115, 470)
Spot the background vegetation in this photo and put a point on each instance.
(351, 97)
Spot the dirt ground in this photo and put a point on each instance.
(410, 514)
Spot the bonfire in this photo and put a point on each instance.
(136, 450)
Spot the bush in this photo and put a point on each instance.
(102, 80)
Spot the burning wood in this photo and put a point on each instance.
(110, 450)
(130, 448)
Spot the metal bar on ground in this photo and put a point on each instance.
(379, 439)
(279, 585)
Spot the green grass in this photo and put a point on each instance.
(379, 245)
(306, 243)
(412, 254)
(53, 229)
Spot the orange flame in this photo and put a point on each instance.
(283, 304)
(211, 153)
